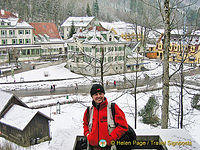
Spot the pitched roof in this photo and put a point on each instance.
(43, 28)
(78, 21)
(4, 98)
(19, 117)
(98, 28)
(7, 14)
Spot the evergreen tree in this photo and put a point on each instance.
(88, 11)
(95, 9)
(72, 30)
(148, 113)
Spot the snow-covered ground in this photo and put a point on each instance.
(67, 125)
(59, 72)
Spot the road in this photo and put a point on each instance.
(150, 82)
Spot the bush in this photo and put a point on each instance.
(195, 101)
(6, 146)
(148, 113)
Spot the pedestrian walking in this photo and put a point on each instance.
(115, 84)
(51, 88)
(76, 86)
(54, 87)
(107, 83)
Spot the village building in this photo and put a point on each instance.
(78, 22)
(126, 30)
(20, 124)
(47, 36)
(20, 41)
(95, 48)
(179, 44)
(16, 36)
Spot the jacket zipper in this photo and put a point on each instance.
(98, 125)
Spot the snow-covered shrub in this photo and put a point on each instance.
(6, 146)
(195, 101)
(148, 113)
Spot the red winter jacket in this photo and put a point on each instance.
(100, 127)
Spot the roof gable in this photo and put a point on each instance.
(78, 21)
(4, 99)
(44, 28)
(19, 117)
(98, 28)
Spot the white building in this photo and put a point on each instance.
(87, 49)
(19, 41)
(79, 23)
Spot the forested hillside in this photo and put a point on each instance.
(145, 12)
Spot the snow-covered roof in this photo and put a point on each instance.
(23, 24)
(16, 23)
(78, 21)
(135, 55)
(94, 40)
(70, 40)
(120, 27)
(19, 117)
(4, 98)
(170, 136)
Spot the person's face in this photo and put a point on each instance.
(98, 97)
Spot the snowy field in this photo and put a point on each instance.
(67, 125)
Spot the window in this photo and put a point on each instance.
(14, 41)
(23, 52)
(116, 58)
(97, 49)
(21, 41)
(3, 42)
(27, 31)
(3, 33)
(28, 52)
(110, 59)
(37, 51)
(21, 32)
(115, 48)
(33, 52)
(120, 58)
(77, 49)
(110, 38)
(120, 48)
(27, 41)
(11, 32)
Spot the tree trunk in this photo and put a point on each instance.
(165, 103)
(101, 63)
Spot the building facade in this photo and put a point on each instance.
(79, 23)
(97, 50)
(21, 41)
(182, 48)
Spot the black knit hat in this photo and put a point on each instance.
(97, 88)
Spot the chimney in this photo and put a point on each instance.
(2, 12)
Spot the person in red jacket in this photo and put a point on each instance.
(99, 133)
